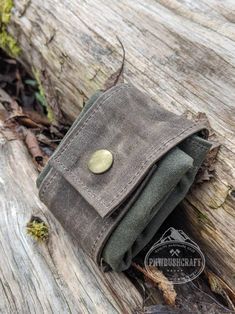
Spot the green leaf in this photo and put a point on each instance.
(41, 99)
(32, 83)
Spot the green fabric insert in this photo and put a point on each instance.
(165, 189)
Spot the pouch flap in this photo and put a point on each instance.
(135, 129)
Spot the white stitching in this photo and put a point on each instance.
(152, 150)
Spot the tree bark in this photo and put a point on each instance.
(181, 52)
(52, 277)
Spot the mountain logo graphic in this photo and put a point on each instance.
(177, 256)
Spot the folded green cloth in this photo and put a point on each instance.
(167, 186)
(156, 155)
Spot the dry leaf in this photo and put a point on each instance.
(26, 121)
(162, 283)
(220, 287)
(207, 169)
(38, 118)
(33, 146)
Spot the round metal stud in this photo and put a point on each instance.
(100, 161)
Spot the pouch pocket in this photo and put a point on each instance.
(135, 129)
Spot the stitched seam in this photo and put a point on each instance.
(52, 178)
(48, 181)
(85, 123)
(56, 158)
(147, 159)
(152, 151)
(98, 238)
(100, 234)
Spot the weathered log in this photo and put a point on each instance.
(52, 277)
(181, 52)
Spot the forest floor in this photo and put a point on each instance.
(29, 113)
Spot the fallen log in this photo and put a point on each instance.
(182, 53)
(51, 277)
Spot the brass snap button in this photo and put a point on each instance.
(100, 161)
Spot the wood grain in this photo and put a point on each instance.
(182, 52)
(47, 278)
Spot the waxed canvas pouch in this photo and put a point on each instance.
(156, 155)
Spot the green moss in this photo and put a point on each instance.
(5, 10)
(202, 217)
(38, 229)
(7, 42)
